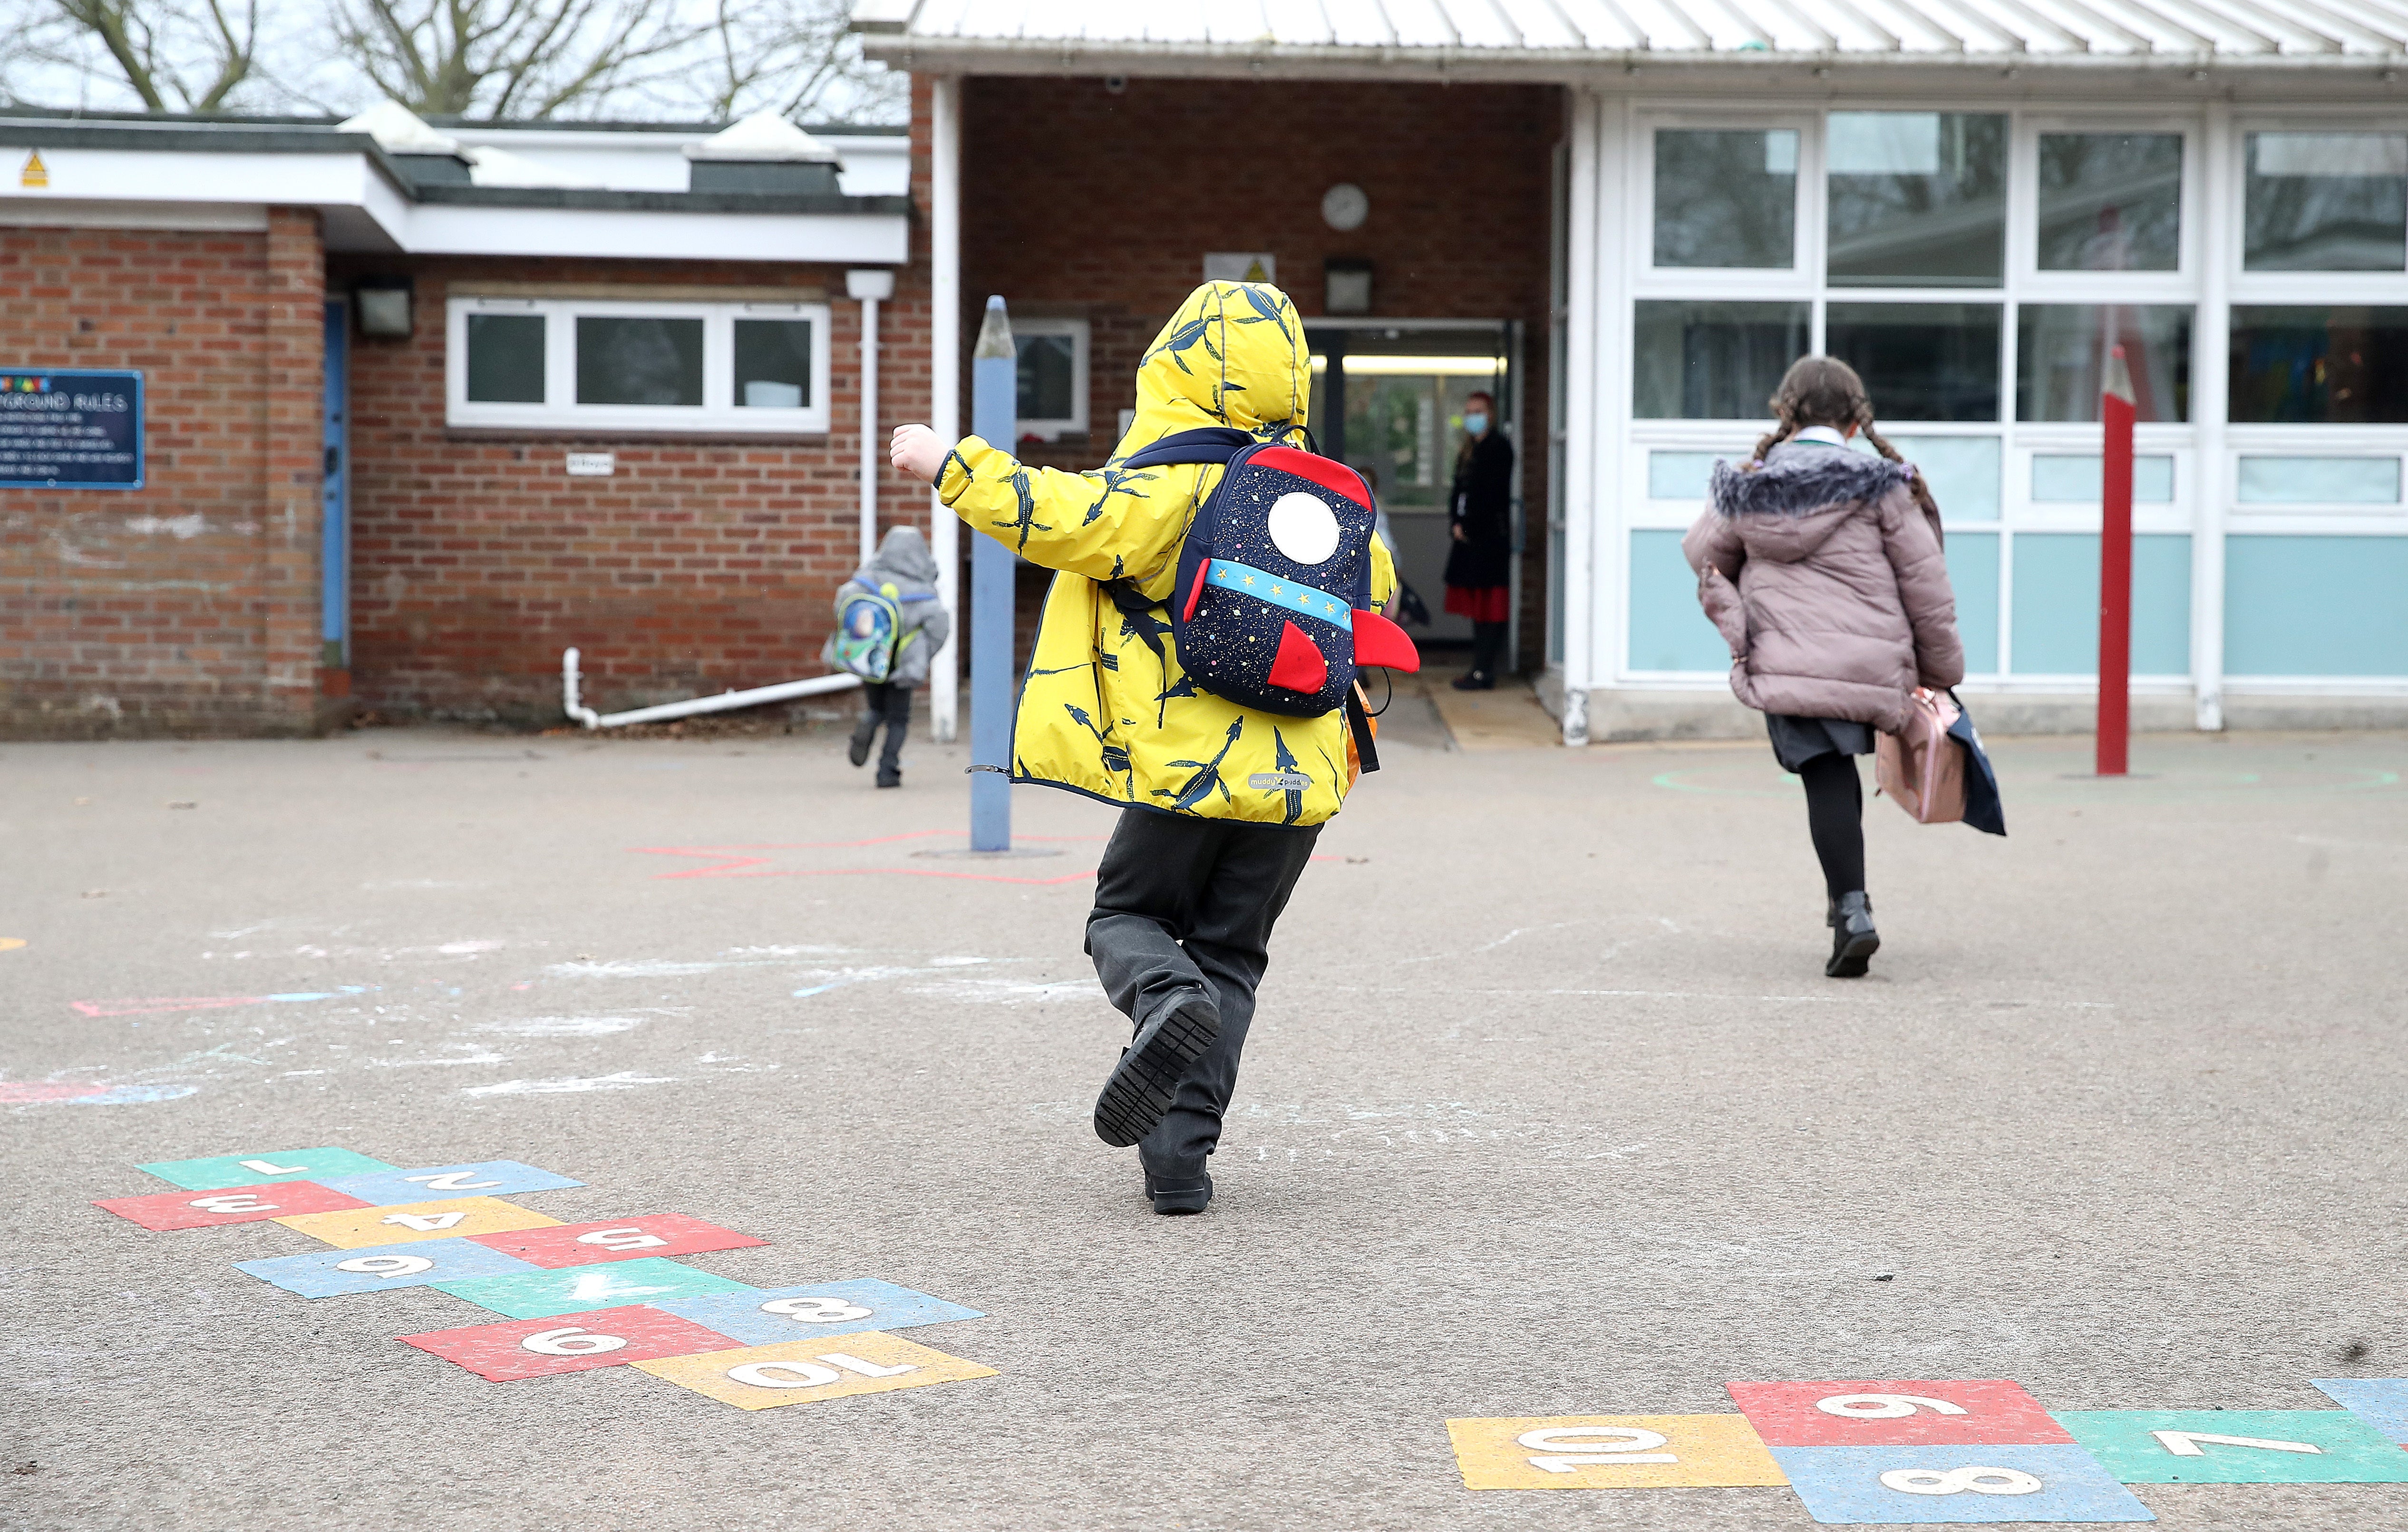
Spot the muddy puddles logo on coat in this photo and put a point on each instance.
(1279, 782)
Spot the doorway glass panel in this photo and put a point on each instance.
(2110, 201)
(1922, 361)
(1727, 197)
(1918, 198)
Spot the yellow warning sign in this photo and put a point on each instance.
(35, 173)
(1612, 1451)
(808, 1371)
(455, 1220)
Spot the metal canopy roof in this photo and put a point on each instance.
(1533, 39)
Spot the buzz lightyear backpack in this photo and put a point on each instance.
(867, 622)
(1272, 605)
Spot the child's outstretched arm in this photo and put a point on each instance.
(1104, 524)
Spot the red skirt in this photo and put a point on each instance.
(1481, 603)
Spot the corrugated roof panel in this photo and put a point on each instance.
(1546, 31)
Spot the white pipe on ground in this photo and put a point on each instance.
(724, 701)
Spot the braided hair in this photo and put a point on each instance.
(1825, 391)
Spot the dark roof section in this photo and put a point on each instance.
(21, 129)
(222, 119)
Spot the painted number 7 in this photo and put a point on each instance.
(1574, 1447)
(1883, 1407)
(453, 1180)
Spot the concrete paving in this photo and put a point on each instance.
(1549, 1110)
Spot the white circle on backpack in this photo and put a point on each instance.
(1302, 527)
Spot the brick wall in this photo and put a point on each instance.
(188, 606)
(703, 564)
(1084, 201)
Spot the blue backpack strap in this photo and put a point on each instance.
(1205, 444)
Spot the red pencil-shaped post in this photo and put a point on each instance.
(2115, 412)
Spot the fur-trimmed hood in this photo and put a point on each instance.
(1796, 480)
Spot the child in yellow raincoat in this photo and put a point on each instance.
(1213, 829)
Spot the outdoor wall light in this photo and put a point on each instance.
(382, 304)
(1345, 285)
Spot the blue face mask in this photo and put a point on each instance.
(1476, 423)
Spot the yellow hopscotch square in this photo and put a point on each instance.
(455, 1219)
(1612, 1451)
(808, 1371)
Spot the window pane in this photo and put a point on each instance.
(773, 364)
(638, 360)
(1921, 361)
(1726, 198)
(1681, 475)
(2314, 365)
(2327, 202)
(1918, 199)
(2075, 478)
(1712, 361)
(1048, 373)
(505, 358)
(1961, 472)
(2320, 480)
(2110, 201)
(2061, 348)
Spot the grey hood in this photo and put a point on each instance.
(1801, 477)
(902, 559)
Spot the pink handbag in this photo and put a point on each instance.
(1922, 766)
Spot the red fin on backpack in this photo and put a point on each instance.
(1380, 644)
(1298, 666)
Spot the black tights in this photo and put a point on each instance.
(1835, 813)
(1488, 648)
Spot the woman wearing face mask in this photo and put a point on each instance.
(1479, 570)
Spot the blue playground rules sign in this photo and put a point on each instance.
(70, 428)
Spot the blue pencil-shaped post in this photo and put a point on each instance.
(994, 416)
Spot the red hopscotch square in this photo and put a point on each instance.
(539, 1348)
(231, 1205)
(1896, 1413)
(627, 1240)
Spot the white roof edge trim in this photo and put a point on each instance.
(397, 130)
(2127, 51)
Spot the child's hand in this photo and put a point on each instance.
(916, 451)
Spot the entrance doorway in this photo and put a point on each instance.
(1387, 401)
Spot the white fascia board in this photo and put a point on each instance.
(454, 230)
(133, 178)
(867, 166)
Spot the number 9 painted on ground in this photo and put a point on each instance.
(1883, 1407)
(571, 1340)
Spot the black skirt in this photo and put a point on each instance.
(1796, 741)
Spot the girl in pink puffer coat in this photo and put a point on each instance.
(1822, 568)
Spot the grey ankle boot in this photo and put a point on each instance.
(1854, 941)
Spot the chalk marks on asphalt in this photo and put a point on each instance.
(212, 1003)
(627, 1300)
(852, 859)
(87, 1093)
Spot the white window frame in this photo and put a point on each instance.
(719, 415)
(1075, 423)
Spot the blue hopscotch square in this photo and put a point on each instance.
(325, 1273)
(2380, 1402)
(433, 1183)
(773, 1314)
(1896, 1486)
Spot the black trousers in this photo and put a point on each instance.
(1184, 904)
(1488, 647)
(888, 703)
(1835, 817)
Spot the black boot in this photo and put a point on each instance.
(1854, 940)
(1179, 1193)
(857, 749)
(1142, 1086)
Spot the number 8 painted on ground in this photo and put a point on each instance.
(1957, 1481)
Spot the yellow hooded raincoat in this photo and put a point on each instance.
(1099, 712)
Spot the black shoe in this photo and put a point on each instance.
(890, 779)
(857, 749)
(1142, 1085)
(1475, 681)
(1854, 940)
(1179, 1193)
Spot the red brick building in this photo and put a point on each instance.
(418, 409)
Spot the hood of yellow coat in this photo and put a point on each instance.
(1234, 355)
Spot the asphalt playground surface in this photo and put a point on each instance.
(1548, 1110)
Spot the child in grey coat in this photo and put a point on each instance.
(905, 573)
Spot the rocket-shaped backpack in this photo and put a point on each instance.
(1272, 606)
